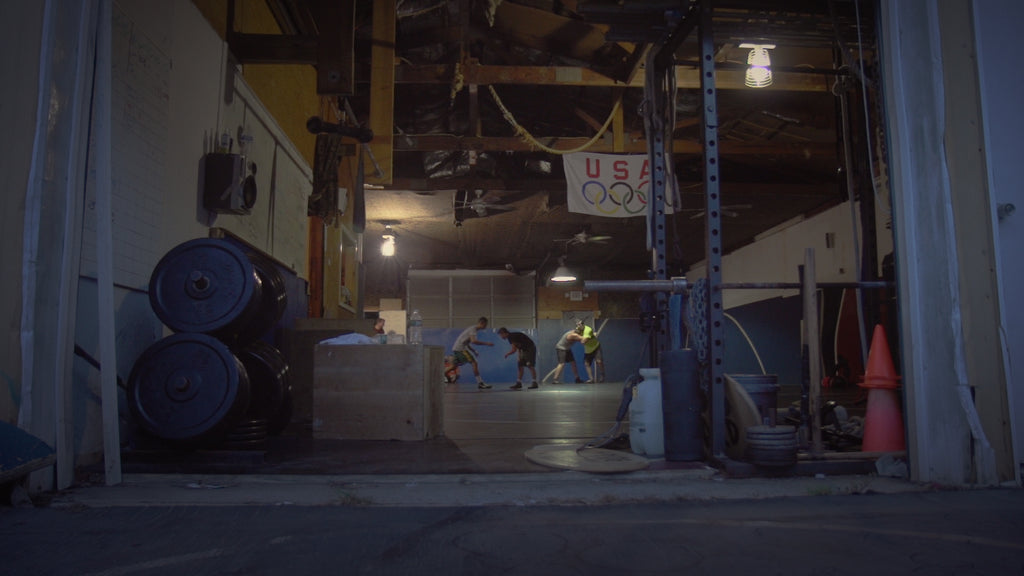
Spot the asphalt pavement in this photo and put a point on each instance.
(653, 523)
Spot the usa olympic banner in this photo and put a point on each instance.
(612, 185)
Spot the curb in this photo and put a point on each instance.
(567, 488)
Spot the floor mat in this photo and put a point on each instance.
(598, 460)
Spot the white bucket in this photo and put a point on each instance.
(646, 424)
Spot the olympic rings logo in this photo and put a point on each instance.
(620, 196)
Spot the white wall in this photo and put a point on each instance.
(196, 89)
(173, 98)
(777, 253)
(996, 27)
(941, 444)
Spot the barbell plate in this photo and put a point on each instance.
(274, 296)
(203, 285)
(188, 387)
(268, 377)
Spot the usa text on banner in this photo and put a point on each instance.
(612, 185)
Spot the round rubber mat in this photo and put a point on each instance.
(599, 460)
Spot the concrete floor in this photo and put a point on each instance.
(486, 432)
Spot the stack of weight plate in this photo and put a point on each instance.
(213, 382)
(773, 447)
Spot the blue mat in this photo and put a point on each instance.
(21, 453)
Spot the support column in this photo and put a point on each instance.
(382, 87)
(713, 233)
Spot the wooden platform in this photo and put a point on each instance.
(378, 392)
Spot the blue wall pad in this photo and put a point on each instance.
(621, 341)
(774, 328)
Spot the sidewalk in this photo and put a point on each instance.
(531, 489)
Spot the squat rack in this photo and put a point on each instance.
(659, 91)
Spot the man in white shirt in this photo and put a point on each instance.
(463, 353)
(564, 351)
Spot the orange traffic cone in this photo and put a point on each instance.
(883, 422)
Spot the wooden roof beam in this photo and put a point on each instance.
(557, 185)
(725, 79)
(283, 49)
(432, 142)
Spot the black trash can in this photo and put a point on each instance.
(681, 405)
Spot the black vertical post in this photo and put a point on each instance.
(713, 241)
(805, 374)
(657, 98)
(659, 93)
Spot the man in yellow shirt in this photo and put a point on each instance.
(591, 351)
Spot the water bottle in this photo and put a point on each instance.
(415, 328)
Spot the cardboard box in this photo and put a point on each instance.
(394, 321)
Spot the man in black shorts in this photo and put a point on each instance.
(564, 351)
(527, 350)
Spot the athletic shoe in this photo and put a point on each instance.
(517, 386)
(588, 381)
(483, 386)
(555, 382)
(579, 381)
(534, 386)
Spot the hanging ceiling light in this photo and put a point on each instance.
(759, 72)
(562, 273)
(387, 247)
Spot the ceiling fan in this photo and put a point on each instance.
(477, 202)
(584, 237)
(728, 210)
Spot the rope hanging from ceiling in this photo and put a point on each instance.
(529, 138)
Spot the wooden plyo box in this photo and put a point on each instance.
(298, 345)
(378, 392)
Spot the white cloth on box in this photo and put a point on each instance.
(353, 338)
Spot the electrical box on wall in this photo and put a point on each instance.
(228, 187)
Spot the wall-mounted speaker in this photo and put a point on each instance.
(228, 187)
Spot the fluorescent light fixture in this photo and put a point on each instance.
(562, 273)
(759, 72)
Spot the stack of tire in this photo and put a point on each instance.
(773, 448)
(214, 382)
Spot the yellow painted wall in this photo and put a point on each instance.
(287, 91)
(553, 300)
(341, 258)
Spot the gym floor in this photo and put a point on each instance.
(486, 432)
